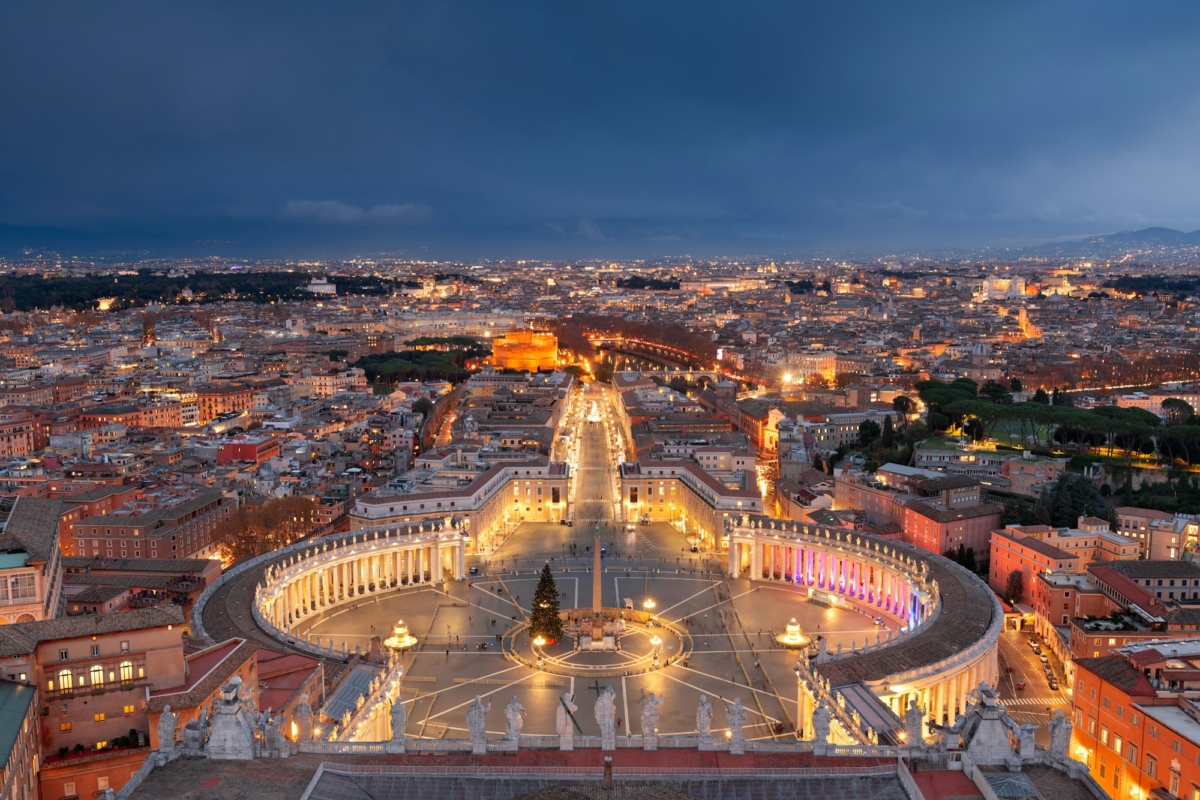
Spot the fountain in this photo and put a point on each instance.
(400, 639)
(791, 637)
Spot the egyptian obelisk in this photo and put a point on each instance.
(596, 579)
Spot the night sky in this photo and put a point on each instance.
(609, 129)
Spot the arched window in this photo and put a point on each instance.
(65, 682)
(96, 675)
(126, 671)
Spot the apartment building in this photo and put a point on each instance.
(168, 522)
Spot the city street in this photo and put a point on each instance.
(1029, 706)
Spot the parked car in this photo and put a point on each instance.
(1053, 682)
(474, 570)
(1042, 657)
(1033, 644)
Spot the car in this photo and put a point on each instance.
(1042, 658)
(878, 620)
(1053, 684)
(474, 570)
(562, 522)
(603, 552)
(695, 549)
(570, 523)
(1021, 685)
(1033, 644)
(631, 527)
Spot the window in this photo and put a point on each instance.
(1175, 783)
(1121, 711)
(18, 589)
(1116, 744)
(128, 710)
(126, 671)
(1153, 731)
(1151, 767)
(1176, 746)
(1131, 753)
(68, 788)
(95, 649)
(65, 680)
(64, 727)
(62, 655)
(1103, 735)
(98, 717)
(96, 675)
(1105, 702)
(1134, 719)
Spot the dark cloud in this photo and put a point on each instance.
(563, 128)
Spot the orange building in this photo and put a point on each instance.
(525, 350)
(1135, 730)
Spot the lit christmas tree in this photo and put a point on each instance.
(543, 619)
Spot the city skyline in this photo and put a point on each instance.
(615, 132)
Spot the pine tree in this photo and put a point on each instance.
(543, 618)
(818, 464)
(886, 437)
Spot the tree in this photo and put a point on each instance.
(868, 432)
(902, 404)
(818, 464)
(1040, 396)
(1177, 411)
(1015, 385)
(937, 422)
(256, 529)
(543, 617)
(995, 392)
(1015, 588)
(422, 406)
(888, 435)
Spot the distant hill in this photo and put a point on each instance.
(1147, 237)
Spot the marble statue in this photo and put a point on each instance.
(514, 719)
(821, 718)
(606, 718)
(564, 725)
(1060, 735)
(166, 730)
(914, 723)
(477, 726)
(704, 715)
(735, 716)
(650, 714)
(303, 717)
(399, 714)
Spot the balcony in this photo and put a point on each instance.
(86, 691)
